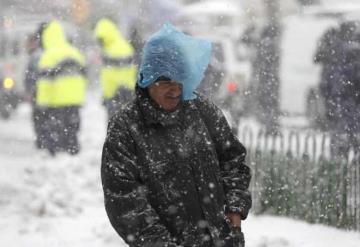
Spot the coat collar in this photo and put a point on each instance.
(153, 115)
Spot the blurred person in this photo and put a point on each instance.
(173, 172)
(137, 41)
(60, 90)
(268, 80)
(250, 38)
(339, 54)
(213, 80)
(33, 48)
(345, 93)
(118, 72)
(328, 55)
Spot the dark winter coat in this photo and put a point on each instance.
(168, 177)
(329, 55)
(346, 93)
(267, 77)
(338, 52)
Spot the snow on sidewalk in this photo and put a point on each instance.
(58, 201)
(271, 231)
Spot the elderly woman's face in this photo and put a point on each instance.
(167, 94)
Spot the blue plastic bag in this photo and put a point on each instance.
(172, 54)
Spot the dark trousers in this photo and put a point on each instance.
(58, 128)
(38, 117)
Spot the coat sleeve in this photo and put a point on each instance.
(231, 153)
(125, 196)
(31, 75)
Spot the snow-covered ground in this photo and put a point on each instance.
(58, 201)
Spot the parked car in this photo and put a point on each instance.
(225, 79)
(226, 76)
(9, 98)
(13, 59)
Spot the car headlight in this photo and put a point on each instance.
(8, 83)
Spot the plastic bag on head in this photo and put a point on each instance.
(172, 54)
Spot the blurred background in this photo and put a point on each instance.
(236, 28)
(278, 71)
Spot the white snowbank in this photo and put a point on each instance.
(269, 231)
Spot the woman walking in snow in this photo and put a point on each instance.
(173, 173)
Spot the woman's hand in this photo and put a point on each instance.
(234, 219)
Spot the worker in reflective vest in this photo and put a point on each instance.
(118, 73)
(60, 89)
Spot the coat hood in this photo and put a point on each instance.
(112, 39)
(56, 48)
(180, 57)
(53, 36)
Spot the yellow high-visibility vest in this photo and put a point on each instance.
(62, 81)
(117, 69)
